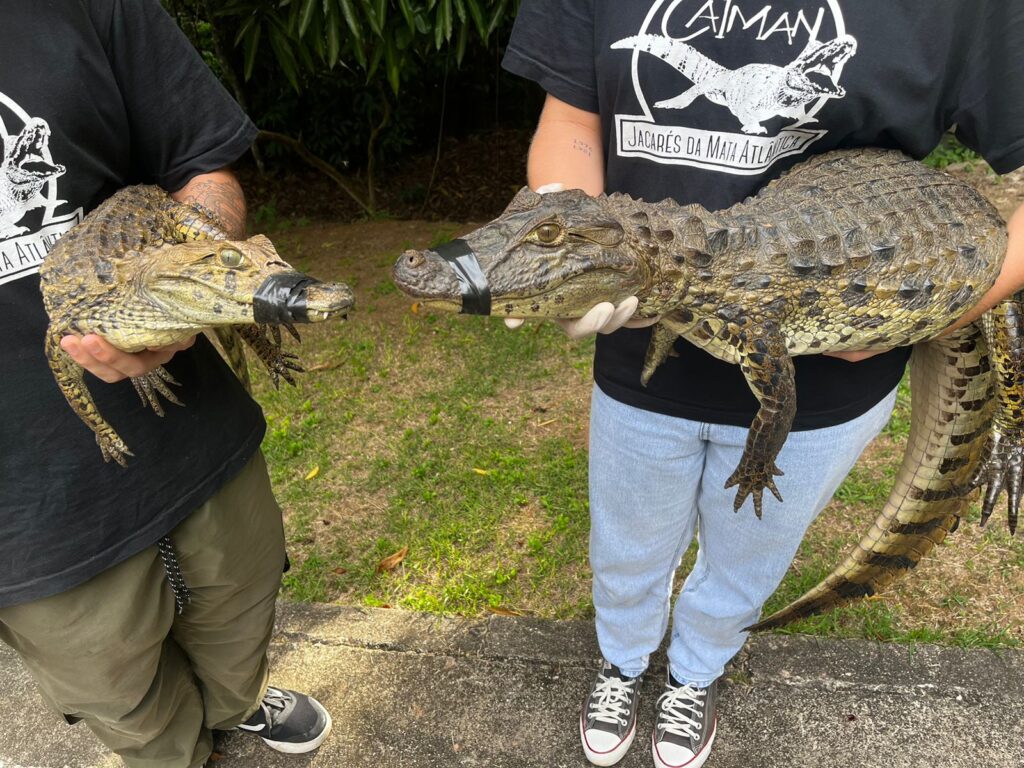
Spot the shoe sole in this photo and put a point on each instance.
(695, 762)
(291, 748)
(611, 757)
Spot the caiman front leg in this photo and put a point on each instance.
(1002, 458)
(663, 338)
(229, 341)
(280, 364)
(70, 377)
(151, 385)
(768, 368)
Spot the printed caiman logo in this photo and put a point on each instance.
(29, 221)
(754, 94)
(25, 169)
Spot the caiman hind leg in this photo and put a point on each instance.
(768, 369)
(951, 403)
(1003, 456)
(70, 377)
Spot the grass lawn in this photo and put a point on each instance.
(438, 463)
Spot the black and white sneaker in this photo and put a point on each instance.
(289, 722)
(608, 717)
(685, 728)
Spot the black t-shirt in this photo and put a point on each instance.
(705, 101)
(96, 95)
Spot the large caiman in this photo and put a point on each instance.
(143, 270)
(850, 250)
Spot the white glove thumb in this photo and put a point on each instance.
(621, 315)
(593, 321)
(601, 318)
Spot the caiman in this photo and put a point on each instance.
(850, 250)
(143, 270)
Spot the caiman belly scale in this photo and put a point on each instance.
(851, 250)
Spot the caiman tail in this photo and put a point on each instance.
(679, 55)
(951, 408)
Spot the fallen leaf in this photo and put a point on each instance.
(503, 611)
(341, 571)
(415, 308)
(313, 472)
(323, 367)
(391, 562)
(481, 471)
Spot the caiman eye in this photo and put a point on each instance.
(548, 234)
(229, 257)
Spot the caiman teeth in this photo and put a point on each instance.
(319, 315)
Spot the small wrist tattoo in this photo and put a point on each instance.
(582, 146)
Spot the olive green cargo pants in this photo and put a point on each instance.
(149, 683)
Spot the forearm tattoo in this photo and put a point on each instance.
(222, 197)
(582, 146)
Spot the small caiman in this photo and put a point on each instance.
(850, 250)
(143, 270)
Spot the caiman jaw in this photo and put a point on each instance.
(461, 285)
(327, 300)
(291, 297)
(476, 293)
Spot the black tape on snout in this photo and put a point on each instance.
(476, 294)
(282, 299)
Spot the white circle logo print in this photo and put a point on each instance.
(29, 222)
(762, 108)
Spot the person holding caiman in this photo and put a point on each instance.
(140, 597)
(706, 103)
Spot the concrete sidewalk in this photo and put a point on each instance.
(411, 691)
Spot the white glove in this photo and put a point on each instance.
(601, 318)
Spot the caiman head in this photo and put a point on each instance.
(226, 282)
(551, 255)
(814, 73)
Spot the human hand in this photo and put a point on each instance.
(600, 318)
(108, 363)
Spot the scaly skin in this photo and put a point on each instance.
(851, 250)
(145, 271)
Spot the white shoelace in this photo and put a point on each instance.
(682, 713)
(609, 701)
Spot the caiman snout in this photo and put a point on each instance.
(449, 274)
(291, 297)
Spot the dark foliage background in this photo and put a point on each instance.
(400, 106)
(364, 85)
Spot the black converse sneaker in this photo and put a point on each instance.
(608, 718)
(289, 722)
(685, 728)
